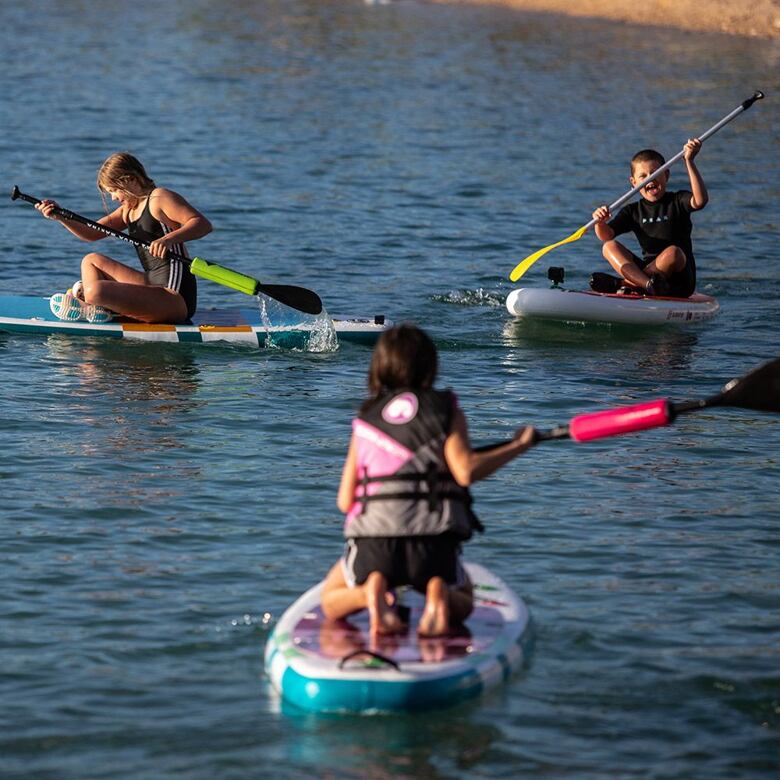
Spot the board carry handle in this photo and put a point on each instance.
(371, 654)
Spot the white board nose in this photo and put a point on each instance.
(511, 302)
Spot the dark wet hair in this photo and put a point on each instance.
(404, 356)
(646, 155)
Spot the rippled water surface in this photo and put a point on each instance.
(160, 506)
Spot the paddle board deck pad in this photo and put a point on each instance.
(586, 306)
(336, 666)
(290, 330)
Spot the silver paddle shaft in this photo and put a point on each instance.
(744, 106)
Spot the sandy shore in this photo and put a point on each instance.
(754, 18)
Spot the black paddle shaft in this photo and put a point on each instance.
(17, 194)
(759, 390)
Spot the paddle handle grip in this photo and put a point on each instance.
(611, 422)
(627, 419)
(743, 106)
(225, 276)
(17, 194)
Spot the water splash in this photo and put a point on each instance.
(478, 297)
(284, 332)
(323, 336)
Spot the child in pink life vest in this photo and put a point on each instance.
(404, 489)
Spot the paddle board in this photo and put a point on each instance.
(28, 314)
(586, 306)
(336, 666)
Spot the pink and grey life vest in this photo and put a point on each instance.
(404, 487)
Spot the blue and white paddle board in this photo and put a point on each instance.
(287, 329)
(563, 305)
(336, 666)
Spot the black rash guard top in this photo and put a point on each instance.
(659, 225)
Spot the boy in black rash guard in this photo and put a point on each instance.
(661, 221)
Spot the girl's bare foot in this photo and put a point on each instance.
(435, 619)
(383, 618)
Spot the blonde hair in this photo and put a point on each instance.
(124, 173)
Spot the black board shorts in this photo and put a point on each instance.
(681, 284)
(405, 560)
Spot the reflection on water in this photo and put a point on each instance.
(655, 349)
(126, 405)
(142, 387)
(425, 745)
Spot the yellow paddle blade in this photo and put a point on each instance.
(524, 265)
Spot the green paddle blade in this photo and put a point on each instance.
(759, 390)
(224, 276)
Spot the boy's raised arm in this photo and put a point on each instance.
(698, 188)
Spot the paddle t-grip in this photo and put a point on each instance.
(627, 419)
(17, 194)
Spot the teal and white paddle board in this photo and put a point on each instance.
(563, 305)
(286, 329)
(319, 665)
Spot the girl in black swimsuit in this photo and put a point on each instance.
(165, 291)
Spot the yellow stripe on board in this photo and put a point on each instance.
(524, 265)
(147, 327)
(225, 328)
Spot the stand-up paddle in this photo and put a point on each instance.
(758, 390)
(296, 297)
(525, 264)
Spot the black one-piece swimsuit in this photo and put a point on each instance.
(168, 272)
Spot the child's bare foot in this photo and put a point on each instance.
(382, 617)
(435, 619)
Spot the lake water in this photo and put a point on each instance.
(160, 506)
